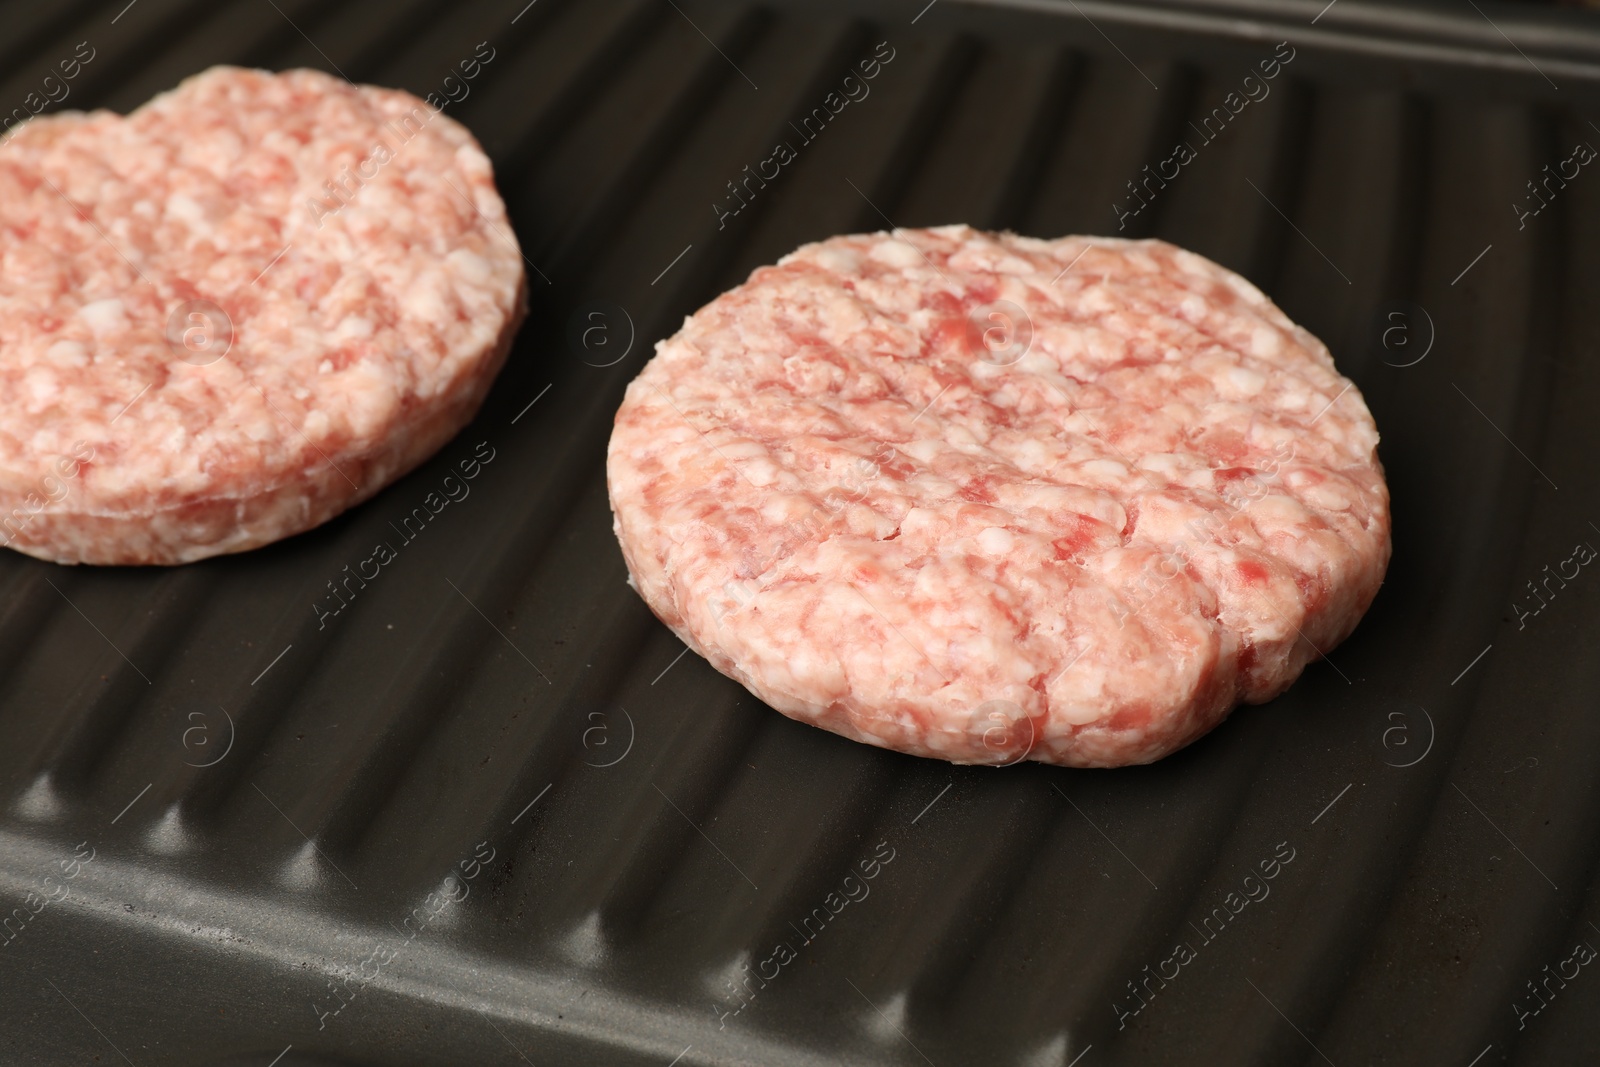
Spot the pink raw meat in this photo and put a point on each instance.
(985, 498)
(350, 237)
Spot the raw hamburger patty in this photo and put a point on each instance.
(371, 302)
(985, 498)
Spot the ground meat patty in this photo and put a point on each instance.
(986, 498)
(236, 312)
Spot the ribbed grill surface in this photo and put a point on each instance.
(270, 802)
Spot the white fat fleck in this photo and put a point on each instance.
(1294, 396)
(995, 541)
(42, 384)
(1037, 361)
(760, 473)
(839, 260)
(425, 300)
(68, 354)
(741, 449)
(782, 509)
(1246, 382)
(469, 266)
(897, 254)
(1192, 264)
(1265, 342)
(1279, 508)
(862, 521)
(259, 426)
(1081, 700)
(188, 211)
(1329, 495)
(1167, 463)
(352, 327)
(1225, 414)
(961, 437)
(104, 316)
(1109, 469)
(923, 449)
(1032, 454)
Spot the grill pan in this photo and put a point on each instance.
(490, 811)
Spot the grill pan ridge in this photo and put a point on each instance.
(492, 812)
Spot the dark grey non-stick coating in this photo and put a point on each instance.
(492, 813)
